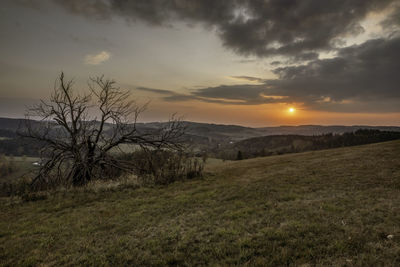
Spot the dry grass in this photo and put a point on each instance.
(334, 207)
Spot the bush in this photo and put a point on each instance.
(165, 167)
(7, 166)
(15, 188)
(151, 167)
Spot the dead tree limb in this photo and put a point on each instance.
(77, 145)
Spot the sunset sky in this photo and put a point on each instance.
(231, 62)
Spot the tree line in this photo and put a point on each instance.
(282, 144)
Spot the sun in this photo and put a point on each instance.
(291, 110)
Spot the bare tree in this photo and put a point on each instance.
(79, 146)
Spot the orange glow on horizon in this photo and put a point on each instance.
(264, 115)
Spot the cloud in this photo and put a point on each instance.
(364, 72)
(275, 63)
(246, 61)
(361, 78)
(249, 78)
(393, 18)
(292, 31)
(97, 59)
(157, 91)
(168, 95)
(97, 9)
(245, 94)
(305, 56)
(240, 94)
(296, 29)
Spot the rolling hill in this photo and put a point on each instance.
(221, 132)
(203, 137)
(327, 208)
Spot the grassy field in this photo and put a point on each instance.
(334, 207)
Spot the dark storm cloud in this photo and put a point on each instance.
(366, 71)
(306, 56)
(98, 9)
(394, 17)
(296, 28)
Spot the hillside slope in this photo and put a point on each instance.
(331, 207)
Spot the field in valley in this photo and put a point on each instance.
(330, 207)
(22, 168)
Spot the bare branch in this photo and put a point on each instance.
(77, 146)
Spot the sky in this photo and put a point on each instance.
(245, 62)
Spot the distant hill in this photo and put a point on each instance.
(208, 133)
(319, 129)
(282, 144)
(236, 131)
(10, 124)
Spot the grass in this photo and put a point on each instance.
(334, 207)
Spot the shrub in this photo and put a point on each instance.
(15, 188)
(151, 167)
(7, 166)
(165, 167)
